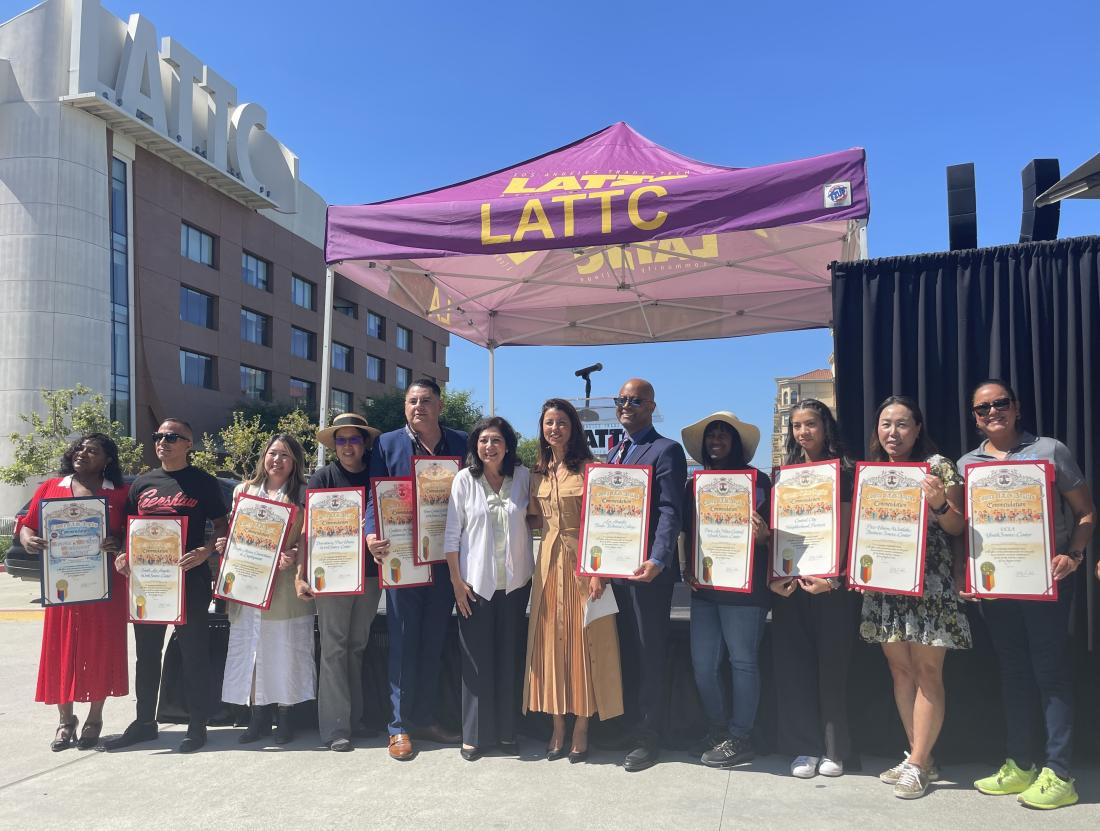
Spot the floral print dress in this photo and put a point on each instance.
(936, 618)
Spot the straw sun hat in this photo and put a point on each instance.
(347, 420)
(692, 435)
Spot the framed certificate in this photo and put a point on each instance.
(723, 529)
(806, 521)
(433, 476)
(257, 533)
(614, 520)
(393, 509)
(334, 540)
(888, 528)
(74, 568)
(154, 548)
(1010, 530)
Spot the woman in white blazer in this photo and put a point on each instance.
(488, 547)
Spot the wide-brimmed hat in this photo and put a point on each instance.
(348, 420)
(692, 435)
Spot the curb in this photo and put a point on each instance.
(21, 614)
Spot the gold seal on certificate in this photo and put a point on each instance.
(1009, 530)
(334, 540)
(723, 529)
(74, 567)
(394, 508)
(889, 516)
(433, 476)
(615, 520)
(256, 536)
(154, 547)
(806, 521)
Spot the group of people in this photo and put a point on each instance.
(613, 666)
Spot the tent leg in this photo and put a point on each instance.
(492, 381)
(326, 361)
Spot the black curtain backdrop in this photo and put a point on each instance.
(932, 326)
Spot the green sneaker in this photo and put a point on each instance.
(1010, 779)
(1049, 791)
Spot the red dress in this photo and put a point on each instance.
(84, 646)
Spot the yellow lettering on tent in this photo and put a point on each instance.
(435, 305)
(635, 215)
(596, 180)
(519, 257)
(519, 185)
(487, 236)
(605, 207)
(567, 210)
(540, 223)
(591, 264)
(560, 183)
(635, 179)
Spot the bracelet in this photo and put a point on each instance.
(1076, 554)
(943, 509)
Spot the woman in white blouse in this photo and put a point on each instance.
(488, 548)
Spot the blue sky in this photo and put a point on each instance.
(383, 99)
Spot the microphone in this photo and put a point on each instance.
(584, 373)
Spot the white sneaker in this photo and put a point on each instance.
(804, 767)
(830, 768)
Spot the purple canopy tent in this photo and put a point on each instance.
(611, 239)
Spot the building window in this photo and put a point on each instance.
(196, 370)
(345, 307)
(254, 271)
(342, 357)
(403, 378)
(376, 326)
(376, 369)
(196, 307)
(120, 296)
(433, 350)
(404, 339)
(255, 383)
(303, 393)
(786, 397)
(303, 344)
(196, 245)
(255, 327)
(340, 401)
(303, 293)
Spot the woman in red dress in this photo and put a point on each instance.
(83, 646)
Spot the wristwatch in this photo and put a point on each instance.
(943, 509)
(1076, 554)
(834, 583)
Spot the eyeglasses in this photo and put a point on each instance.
(342, 440)
(170, 438)
(985, 408)
(631, 401)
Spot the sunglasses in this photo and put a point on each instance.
(999, 405)
(624, 401)
(342, 440)
(170, 438)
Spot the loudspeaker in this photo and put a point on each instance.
(1039, 223)
(962, 207)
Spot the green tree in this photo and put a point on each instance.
(69, 413)
(387, 412)
(236, 448)
(528, 452)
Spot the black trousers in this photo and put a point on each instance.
(490, 640)
(644, 625)
(812, 641)
(194, 640)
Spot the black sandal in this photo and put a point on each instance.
(64, 735)
(89, 736)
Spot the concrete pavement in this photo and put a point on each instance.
(305, 786)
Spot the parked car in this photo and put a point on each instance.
(24, 565)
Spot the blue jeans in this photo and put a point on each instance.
(738, 630)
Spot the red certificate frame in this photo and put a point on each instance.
(698, 572)
(417, 558)
(1049, 476)
(834, 570)
(383, 583)
(591, 470)
(856, 573)
(219, 583)
(361, 585)
(132, 606)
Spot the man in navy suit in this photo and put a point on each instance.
(645, 600)
(417, 618)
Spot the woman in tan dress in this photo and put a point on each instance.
(571, 669)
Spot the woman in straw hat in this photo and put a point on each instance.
(723, 621)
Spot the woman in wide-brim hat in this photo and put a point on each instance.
(724, 621)
(327, 437)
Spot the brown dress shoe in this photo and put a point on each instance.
(436, 733)
(401, 747)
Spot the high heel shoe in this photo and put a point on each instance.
(555, 753)
(576, 756)
(471, 754)
(89, 736)
(64, 735)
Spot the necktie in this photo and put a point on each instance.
(625, 450)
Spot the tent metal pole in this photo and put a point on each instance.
(492, 380)
(326, 360)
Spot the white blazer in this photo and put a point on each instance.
(470, 532)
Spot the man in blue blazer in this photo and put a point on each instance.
(645, 600)
(417, 618)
